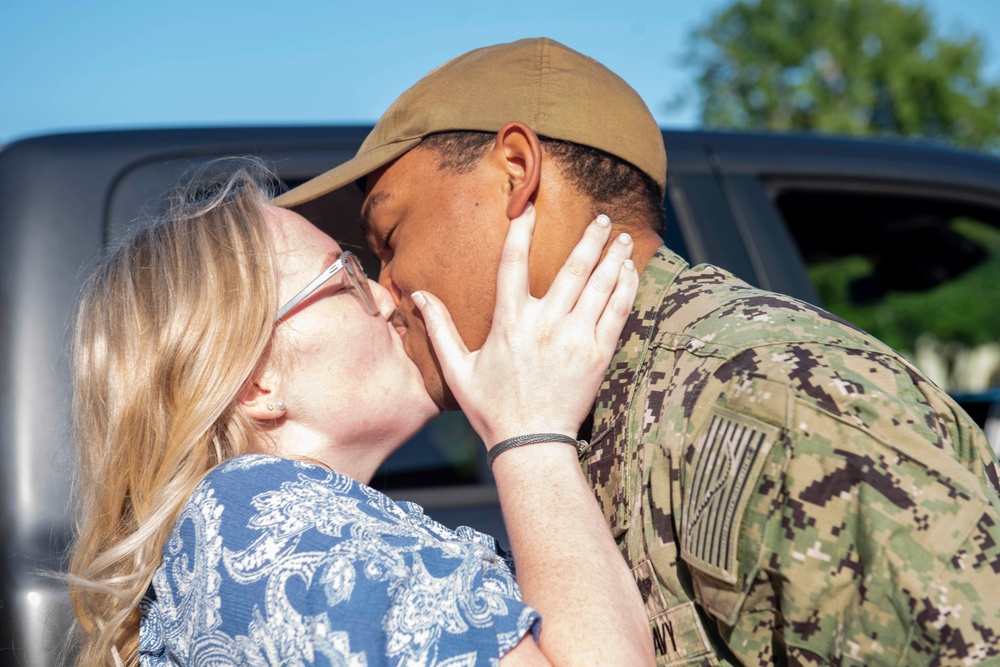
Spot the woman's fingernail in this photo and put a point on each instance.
(603, 220)
(625, 238)
(629, 265)
(419, 299)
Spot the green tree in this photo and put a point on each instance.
(843, 66)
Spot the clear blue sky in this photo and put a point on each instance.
(111, 63)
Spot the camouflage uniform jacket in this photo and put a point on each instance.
(789, 490)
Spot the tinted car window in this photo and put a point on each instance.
(921, 273)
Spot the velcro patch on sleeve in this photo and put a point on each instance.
(729, 457)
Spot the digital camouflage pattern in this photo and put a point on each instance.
(789, 490)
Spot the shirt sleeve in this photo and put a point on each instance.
(859, 538)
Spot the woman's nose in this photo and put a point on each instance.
(383, 299)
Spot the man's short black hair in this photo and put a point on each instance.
(616, 188)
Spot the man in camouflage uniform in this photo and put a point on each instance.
(785, 488)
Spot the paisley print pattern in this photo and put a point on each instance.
(279, 562)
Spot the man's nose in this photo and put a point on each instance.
(385, 280)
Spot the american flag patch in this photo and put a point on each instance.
(727, 464)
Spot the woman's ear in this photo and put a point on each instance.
(260, 399)
(520, 151)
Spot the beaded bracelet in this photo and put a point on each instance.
(511, 443)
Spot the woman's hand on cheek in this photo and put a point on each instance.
(544, 359)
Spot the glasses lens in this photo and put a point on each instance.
(359, 282)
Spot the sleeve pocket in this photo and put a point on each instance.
(727, 490)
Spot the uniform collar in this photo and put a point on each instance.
(616, 391)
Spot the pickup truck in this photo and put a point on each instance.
(896, 236)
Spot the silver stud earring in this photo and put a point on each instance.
(281, 405)
(270, 407)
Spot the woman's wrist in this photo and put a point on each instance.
(494, 436)
(533, 439)
(537, 462)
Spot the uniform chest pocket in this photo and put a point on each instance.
(611, 469)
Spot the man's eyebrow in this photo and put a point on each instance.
(373, 201)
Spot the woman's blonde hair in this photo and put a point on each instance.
(171, 326)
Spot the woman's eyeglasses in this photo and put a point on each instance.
(349, 264)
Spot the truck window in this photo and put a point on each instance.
(920, 271)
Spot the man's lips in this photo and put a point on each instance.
(398, 323)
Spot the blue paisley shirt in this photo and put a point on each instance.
(279, 562)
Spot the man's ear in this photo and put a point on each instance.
(520, 151)
(259, 399)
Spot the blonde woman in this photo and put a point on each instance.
(237, 382)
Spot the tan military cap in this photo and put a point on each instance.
(557, 92)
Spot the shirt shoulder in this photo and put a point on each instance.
(708, 311)
(273, 558)
(247, 475)
(836, 469)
